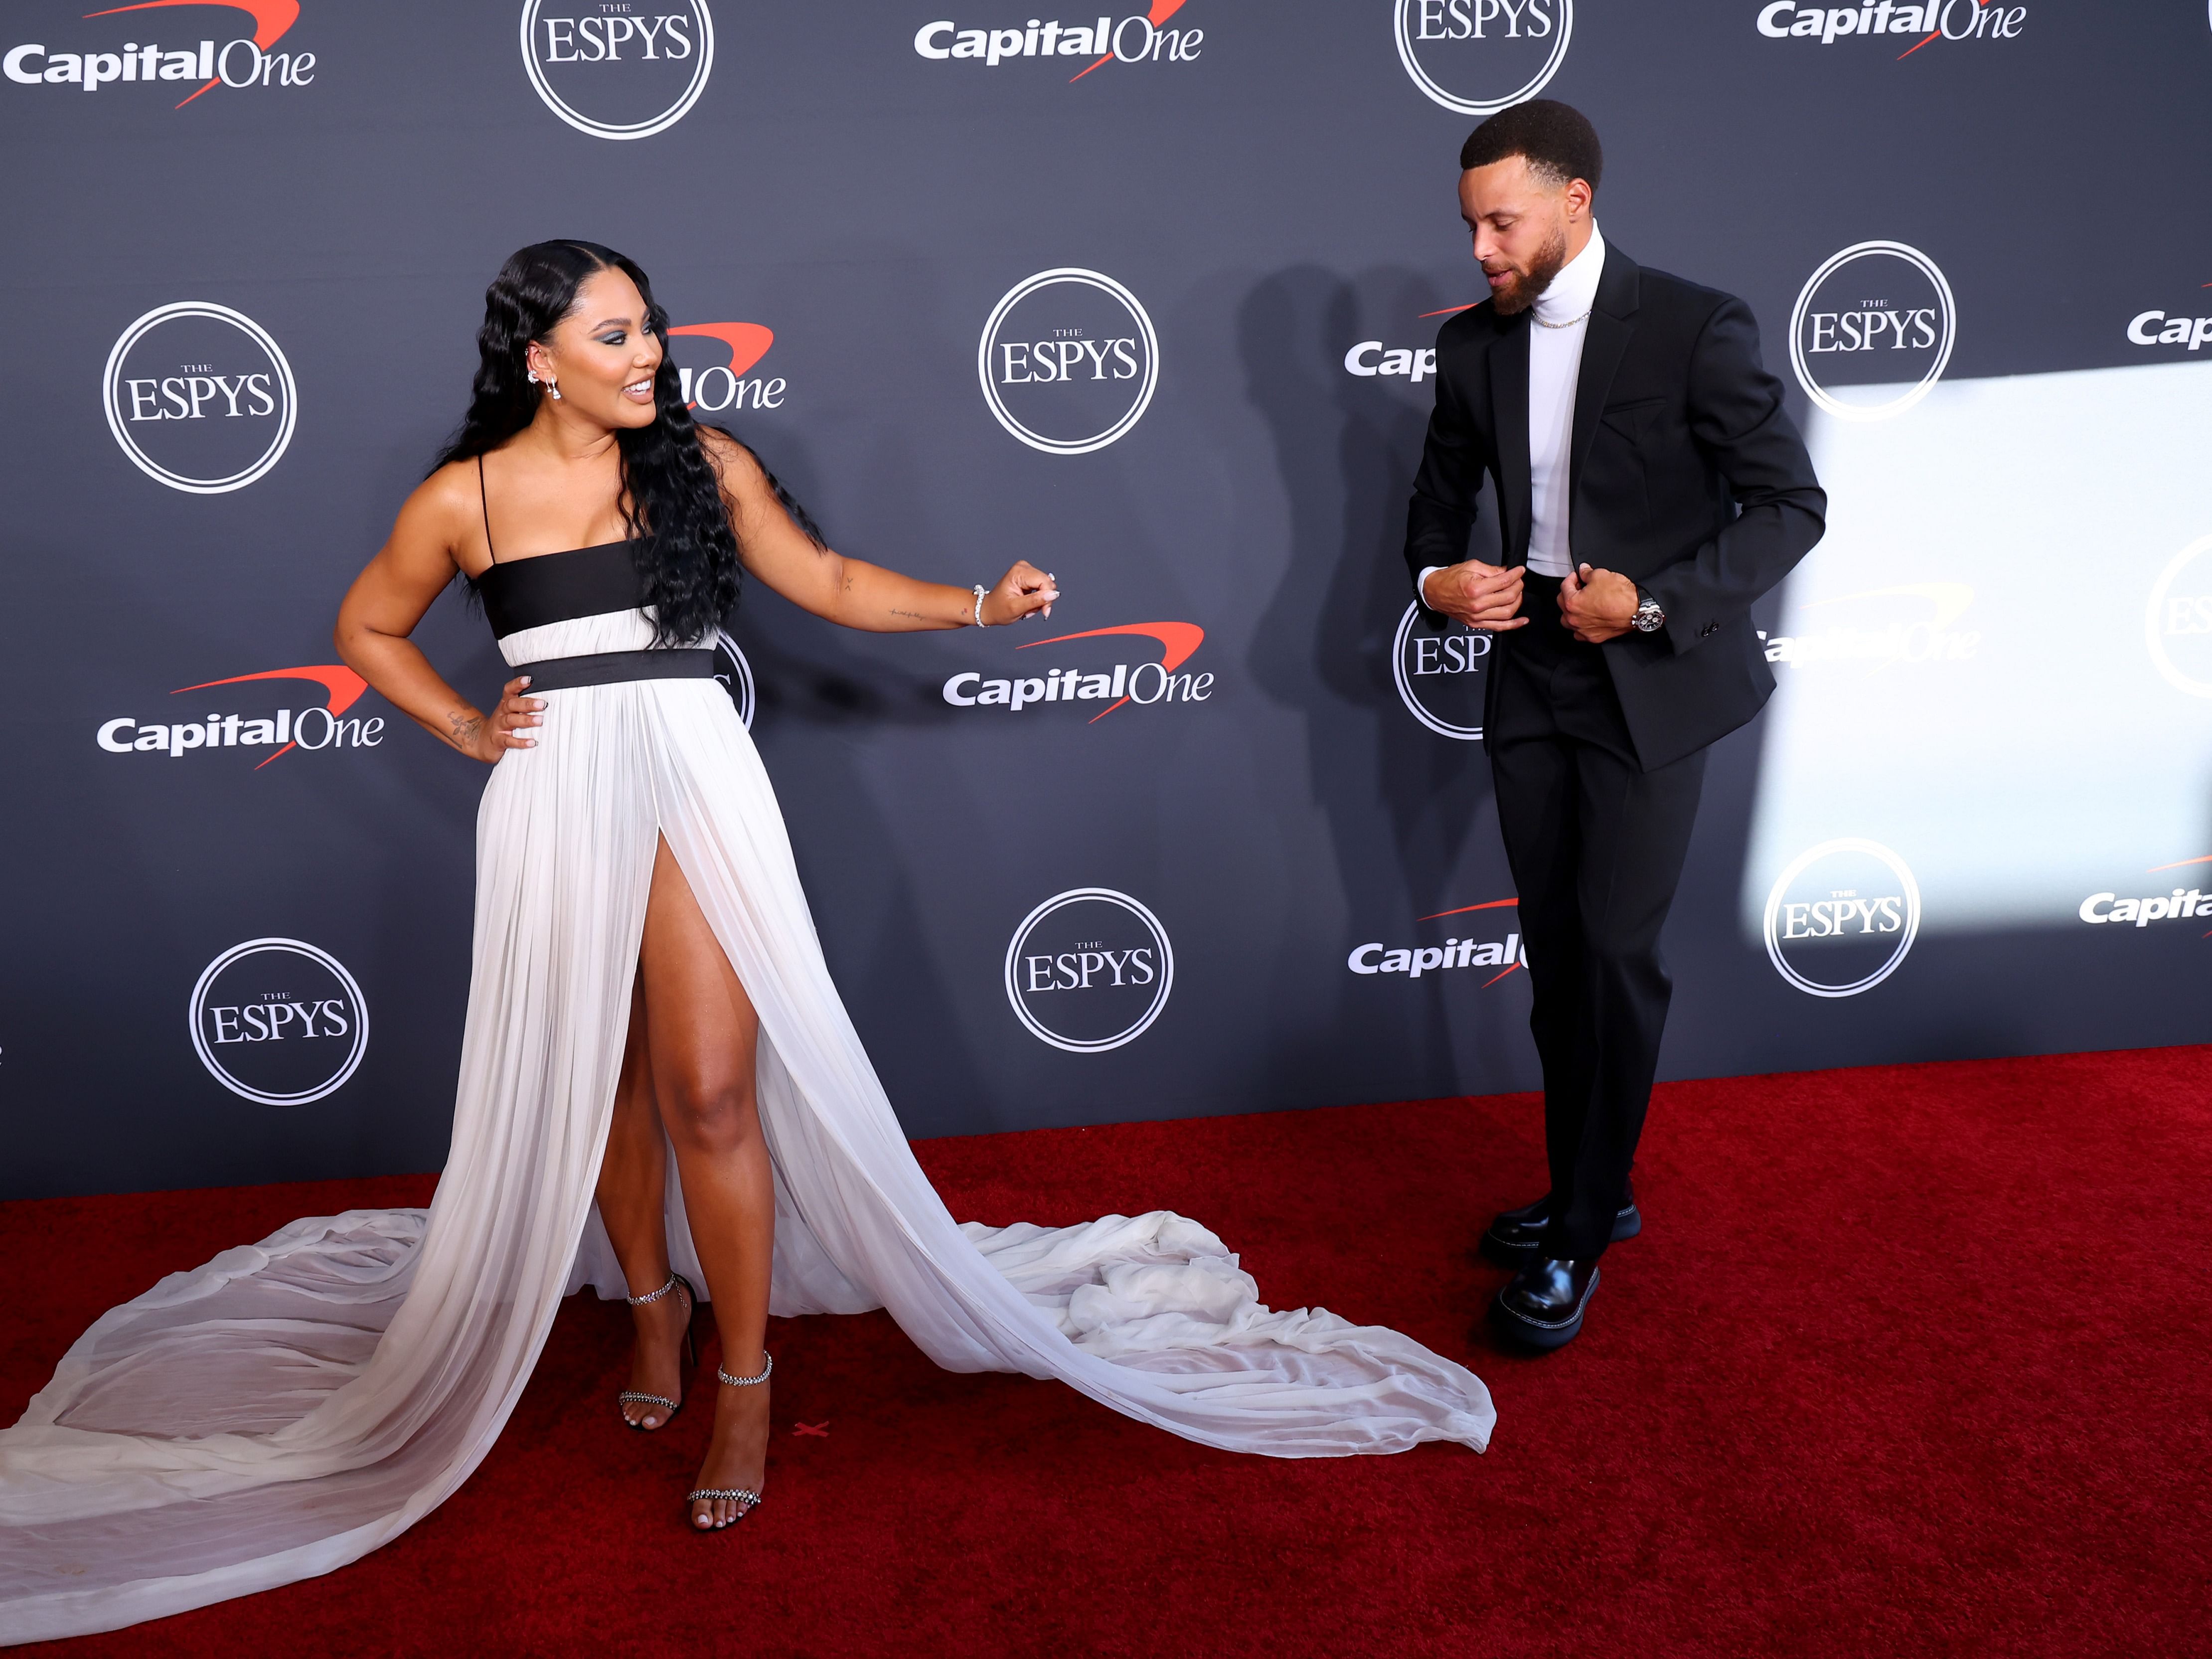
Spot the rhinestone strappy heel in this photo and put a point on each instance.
(690, 1352)
(751, 1500)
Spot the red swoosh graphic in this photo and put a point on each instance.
(1934, 34)
(1452, 311)
(1492, 905)
(1178, 640)
(748, 342)
(1161, 11)
(271, 19)
(344, 685)
(2181, 863)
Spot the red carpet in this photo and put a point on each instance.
(1908, 1361)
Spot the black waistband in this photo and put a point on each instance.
(613, 667)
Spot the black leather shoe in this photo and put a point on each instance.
(1515, 1236)
(1541, 1306)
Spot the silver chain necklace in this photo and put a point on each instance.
(1570, 323)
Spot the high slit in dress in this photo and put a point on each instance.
(293, 1404)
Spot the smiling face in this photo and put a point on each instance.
(601, 355)
(1525, 227)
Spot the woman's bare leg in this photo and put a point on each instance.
(633, 1197)
(700, 1038)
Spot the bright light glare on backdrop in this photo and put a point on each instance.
(1998, 662)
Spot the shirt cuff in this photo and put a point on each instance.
(1421, 581)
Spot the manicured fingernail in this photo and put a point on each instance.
(525, 679)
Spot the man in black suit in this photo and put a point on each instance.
(1650, 488)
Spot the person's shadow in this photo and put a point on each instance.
(1408, 811)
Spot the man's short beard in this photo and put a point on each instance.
(1523, 292)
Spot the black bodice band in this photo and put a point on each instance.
(554, 587)
(613, 667)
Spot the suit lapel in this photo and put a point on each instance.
(1509, 402)
(1613, 321)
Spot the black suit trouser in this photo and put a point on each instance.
(1596, 845)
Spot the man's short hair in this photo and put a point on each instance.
(1555, 139)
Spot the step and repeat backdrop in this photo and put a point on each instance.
(1148, 298)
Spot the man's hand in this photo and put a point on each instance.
(1597, 605)
(1484, 596)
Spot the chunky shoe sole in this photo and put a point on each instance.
(1541, 1334)
(1506, 1253)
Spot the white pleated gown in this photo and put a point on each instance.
(293, 1404)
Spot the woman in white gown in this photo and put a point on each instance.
(646, 975)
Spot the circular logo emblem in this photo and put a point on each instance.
(1841, 918)
(1479, 56)
(1089, 970)
(199, 397)
(736, 675)
(1068, 361)
(2177, 625)
(1439, 676)
(1872, 329)
(618, 72)
(278, 1021)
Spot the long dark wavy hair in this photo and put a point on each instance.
(686, 552)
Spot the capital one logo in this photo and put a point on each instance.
(318, 725)
(1479, 56)
(2177, 621)
(1068, 361)
(245, 61)
(1872, 329)
(1914, 622)
(1116, 685)
(1089, 970)
(278, 1021)
(1439, 676)
(1841, 918)
(1138, 40)
(729, 384)
(1951, 20)
(199, 397)
(618, 71)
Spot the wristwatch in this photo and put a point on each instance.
(1648, 618)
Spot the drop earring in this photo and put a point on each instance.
(552, 389)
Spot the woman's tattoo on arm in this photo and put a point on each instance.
(465, 728)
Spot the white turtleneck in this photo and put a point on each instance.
(1559, 323)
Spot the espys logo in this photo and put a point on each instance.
(1882, 628)
(1439, 676)
(278, 1022)
(1089, 970)
(1841, 918)
(2177, 621)
(1478, 56)
(715, 387)
(1872, 331)
(736, 675)
(618, 69)
(234, 63)
(1132, 40)
(1115, 685)
(1946, 20)
(2193, 904)
(199, 397)
(1068, 361)
(1414, 960)
(318, 726)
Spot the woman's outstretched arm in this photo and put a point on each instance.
(853, 593)
(389, 598)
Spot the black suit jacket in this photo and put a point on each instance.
(1684, 474)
